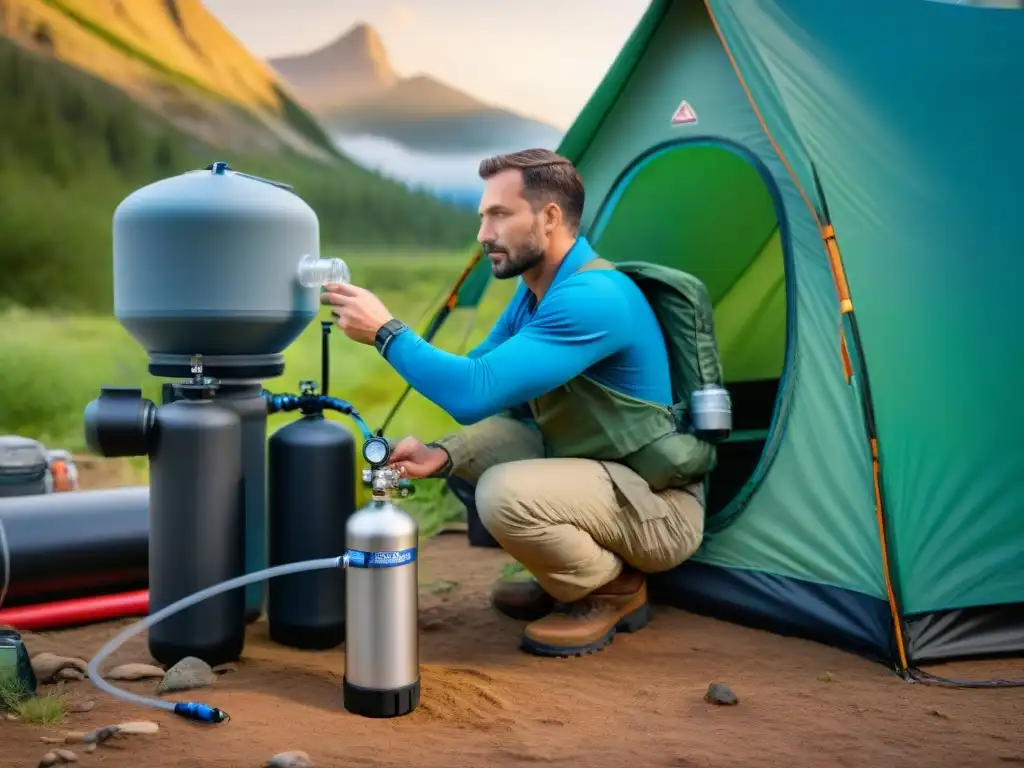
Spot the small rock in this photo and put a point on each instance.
(295, 759)
(100, 735)
(721, 694)
(52, 739)
(89, 748)
(58, 757)
(134, 672)
(825, 677)
(938, 713)
(78, 707)
(188, 674)
(12, 718)
(139, 727)
(47, 665)
(70, 673)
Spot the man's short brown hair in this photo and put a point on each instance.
(547, 178)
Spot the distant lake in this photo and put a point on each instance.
(444, 173)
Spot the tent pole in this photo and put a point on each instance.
(435, 325)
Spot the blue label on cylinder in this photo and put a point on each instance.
(390, 559)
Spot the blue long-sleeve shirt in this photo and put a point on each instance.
(595, 322)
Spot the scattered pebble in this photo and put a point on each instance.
(12, 718)
(139, 727)
(78, 707)
(721, 694)
(100, 735)
(58, 757)
(134, 672)
(48, 666)
(295, 759)
(188, 674)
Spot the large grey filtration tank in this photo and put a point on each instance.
(382, 672)
(312, 465)
(207, 263)
(197, 528)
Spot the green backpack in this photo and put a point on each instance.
(683, 308)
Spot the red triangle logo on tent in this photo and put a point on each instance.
(684, 114)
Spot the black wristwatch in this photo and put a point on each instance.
(386, 333)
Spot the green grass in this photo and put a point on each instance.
(45, 709)
(55, 363)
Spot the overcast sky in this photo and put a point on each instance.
(542, 58)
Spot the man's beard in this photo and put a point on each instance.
(518, 260)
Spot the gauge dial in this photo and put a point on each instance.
(376, 451)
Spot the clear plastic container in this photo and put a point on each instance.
(315, 273)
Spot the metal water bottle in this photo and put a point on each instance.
(711, 413)
(382, 667)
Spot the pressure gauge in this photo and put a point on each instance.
(376, 451)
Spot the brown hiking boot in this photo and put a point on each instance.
(522, 599)
(589, 625)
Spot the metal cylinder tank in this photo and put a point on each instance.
(382, 672)
(209, 263)
(312, 494)
(197, 527)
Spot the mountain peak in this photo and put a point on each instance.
(357, 59)
(360, 37)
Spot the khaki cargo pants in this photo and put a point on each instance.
(566, 520)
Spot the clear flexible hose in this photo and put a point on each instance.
(193, 711)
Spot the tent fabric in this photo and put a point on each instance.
(893, 121)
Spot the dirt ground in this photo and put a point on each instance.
(638, 702)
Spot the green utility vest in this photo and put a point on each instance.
(583, 419)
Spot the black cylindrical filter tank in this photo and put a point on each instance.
(311, 495)
(197, 528)
(246, 399)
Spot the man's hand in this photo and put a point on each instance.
(359, 314)
(417, 460)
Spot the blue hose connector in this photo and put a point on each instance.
(201, 713)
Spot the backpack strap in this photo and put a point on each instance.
(597, 263)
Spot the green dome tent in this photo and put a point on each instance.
(873, 496)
